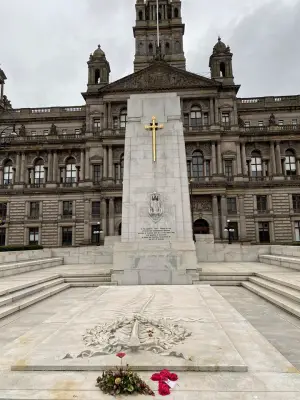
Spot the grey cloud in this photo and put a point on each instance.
(48, 44)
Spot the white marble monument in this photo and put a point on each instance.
(157, 245)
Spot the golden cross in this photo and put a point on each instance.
(154, 127)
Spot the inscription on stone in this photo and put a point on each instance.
(156, 233)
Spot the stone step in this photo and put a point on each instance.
(21, 286)
(93, 284)
(219, 283)
(277, 288)
(286, 304)
(21, 267)
(281, 261)
(278, 279)
(86, 275)
(88, 279)
(223, 277)
(28, 301)
(18, 295)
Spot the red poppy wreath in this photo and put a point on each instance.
(164, 378)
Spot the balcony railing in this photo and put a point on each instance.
(33, 216)
(253, 130)
(67, 216)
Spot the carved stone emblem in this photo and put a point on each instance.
(155, 207)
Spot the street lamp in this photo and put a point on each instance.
(191, 180)
(229, 230)
(99, 231)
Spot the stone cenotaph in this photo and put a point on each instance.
(157, 244)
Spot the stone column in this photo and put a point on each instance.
(50, 167)
(272, 159)
(87, 229)
(23, 162)
(211, 111)
(104, 162)
(87, 164)
(111, 216)
(55, 174)
(223, 216)
(103, 212)
(18, 167)
(234, 114)
(109, 125)
(110, 162)
(82, 166)
(105, 121)
(238, 158)
(217, 119)
(278, 159)
(219, 157)
(214, 158)
(298, 167)
(242, 218)
(244, 160)
(216, 218)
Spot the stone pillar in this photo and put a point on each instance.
(103, 212)
(1, 176)
(104, 162)
(223, 216)
(217, 119)
(18, 167)
(87, 164)
(298, 167)
(219, 157)
(111, 216)
(105, 121)
(238, 158)
(242, 218)
(109, 125)
(55, 174)
(272, 159)
(278, 159)
(82, 166)
(234, 114)
(23, 162)
(86, 229)
(211, 111)
(244, 160)
(110, 162)
(216, 219)
(50, 167)
(214, 158)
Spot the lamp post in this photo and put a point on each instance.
(229, 230)
(191, 180)
(98, 232)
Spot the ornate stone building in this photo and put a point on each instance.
(61, 168)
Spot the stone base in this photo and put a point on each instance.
(155, 263)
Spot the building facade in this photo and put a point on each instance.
(61, 168)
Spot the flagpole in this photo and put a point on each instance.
(157, 23)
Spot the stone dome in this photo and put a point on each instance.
(221, 47)
(98, 53)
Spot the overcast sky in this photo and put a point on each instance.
(45, 44)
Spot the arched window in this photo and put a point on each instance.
(256, 164)
(197, 165)
(8, 173)
(39, 172)
(150, 49)
(122, 167)
(176, 13)
(222, 70)
(196, 117)
(141, 15)
(167, 48)
(290, 162)
(97, 76)
(71, 171)
(123, 119)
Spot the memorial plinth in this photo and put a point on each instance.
(157, 243)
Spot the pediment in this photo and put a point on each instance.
(160, 76)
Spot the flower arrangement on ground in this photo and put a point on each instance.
(164, 379)
(122, 381)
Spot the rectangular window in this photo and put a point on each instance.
(67, 209)
(3, 212)
(33, 236)
(96, 209)
(33, 133)
(280, 122)
(294, 122)
(261, 123)
(296, 203)
(2, 236)
(262, 203)
(264, 234)
(115, 123)
(196, 118)
(297, 231)
(8, 173)
(77, 131)
(205, 118)
(64, 131)
(225, 118)
(231, 205)
(97, 173)
(46, 132)
(189, 169)
(34, 209)
(97, 124)
(123, 120)
(228, 168)
(67, 236)
(207, 168)
(247, 124)
(186, 120)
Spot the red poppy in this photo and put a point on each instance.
(156, 377)
(163, 389)
(173, 377)
(121, 355)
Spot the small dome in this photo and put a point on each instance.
(98, 53)
(221, 47)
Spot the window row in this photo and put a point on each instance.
(280, 122)
(259, 167)
(197, 118)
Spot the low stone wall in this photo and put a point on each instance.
(285, 251)
(235, 252)
(11, 256)
(85, 254)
